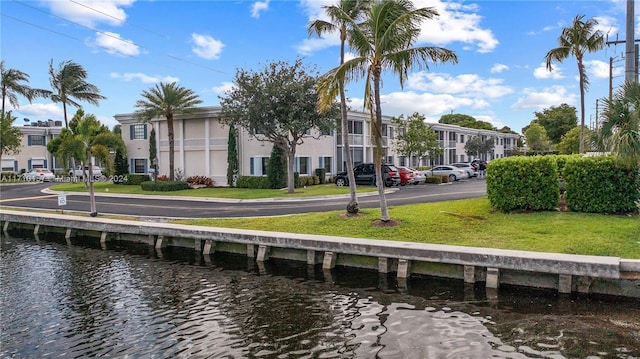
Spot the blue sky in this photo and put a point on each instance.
(128, 46)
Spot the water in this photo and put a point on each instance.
(81, 301)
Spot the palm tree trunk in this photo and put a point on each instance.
(352, 207)
(581, 73)
(92, 195)
(170, 135)
(377, 153)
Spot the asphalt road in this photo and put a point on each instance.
(35, 195)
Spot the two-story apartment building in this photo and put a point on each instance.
(201, 146)
(33, 149)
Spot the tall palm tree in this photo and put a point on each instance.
(69, 84)
(342, 15)
(622, 122)
(166, 100)
(86, 138)
(581, 37)
(13, 84)
(383, 41)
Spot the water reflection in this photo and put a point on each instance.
(77, 301)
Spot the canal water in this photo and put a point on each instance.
(82, 301)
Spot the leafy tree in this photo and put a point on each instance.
(414, 136)
(10, 137)
(475, 146)
(557, 120)
(86, 138)
(12, 84)
(465, 121)
(383, 41)
(581, 37)
(166, 100)
(153, 152)
(69, 84)
(621, 124)
(277, 105)
(277, 168)
(343, 16)
(507, 129)
(570, 142)
(537, 139)
(232, 156)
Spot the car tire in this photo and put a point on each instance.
(452, 178)
(341, 182)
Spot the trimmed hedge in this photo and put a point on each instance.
(523, 183)
(254, 182)
(164, 186)
(321, 173)
(601, 185)
(133, 179)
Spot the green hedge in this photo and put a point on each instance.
(523, 183)
(601, 185)
(321, 173)
(132, 179)
(436, 179)
(254, 182)
(164, 186)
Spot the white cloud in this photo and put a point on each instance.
(223, 88)
(466, 85)
(146, 79)
(498, 68)
(608, 25)
(91, 13)
(114, 44)
(539, 100)
(258, 7)
(456, 23)
(42, 111)
(600, 69)
(206, 46)
(108, 121)
(541, 72)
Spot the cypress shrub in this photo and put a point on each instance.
(277, 168)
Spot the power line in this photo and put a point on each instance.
(86, 27)
(118, 19)
(195, 64)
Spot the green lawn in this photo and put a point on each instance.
(469, 222)
(222, 192)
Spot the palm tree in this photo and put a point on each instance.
(12, 85)
(343, 15)
(622, 122)
(86, 138)
(580, 38)
(383, 41)
(166, 100)
(69, 84)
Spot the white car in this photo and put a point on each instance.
(471, 171)
(454, 173)
(39, 174)
(78, 172)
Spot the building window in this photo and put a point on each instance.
(325, 162)
(402, 160)
(34, 140)
(355, 127)
(265, 165)
(303, 165)
(461, 138)
(326, 132)
(138, 132)
(139, 165)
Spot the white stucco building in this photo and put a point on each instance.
(201, 146)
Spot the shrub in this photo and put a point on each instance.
(523, 183)
(135, 179)
(601, 185)
(321, 173)
(164, 186)
(308, 181)
(163, 178)
(254, 182)
(200, 181)
(435, 179)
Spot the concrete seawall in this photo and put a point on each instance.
(563, 272)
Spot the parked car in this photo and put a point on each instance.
(39, 174)
(78, 172)
(365, 174)
(407, 175)
(454, 173)
(471, 171)
(418, 176)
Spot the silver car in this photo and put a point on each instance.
(467, 167)
(454, 173)
(39, 174)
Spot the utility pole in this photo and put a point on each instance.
(630, 56)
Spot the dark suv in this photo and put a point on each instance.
(365, 174)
